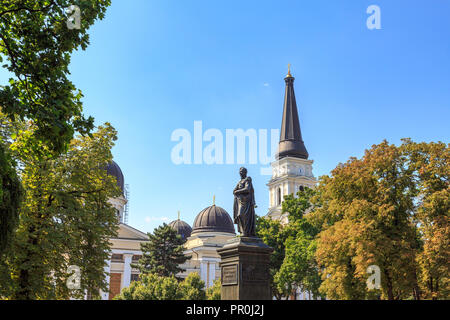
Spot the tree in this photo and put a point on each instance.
(367, 214)
(299, 267)
(193, 287)
(37, 44)
(152, 287)
(431, 171)
(156, 287)
(35, 47)
(11, 193)
(163, 253)
(66, 220)
(274, 234)
(214, 292)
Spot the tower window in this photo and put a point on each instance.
(301, 188)
(279, 196)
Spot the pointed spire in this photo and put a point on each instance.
(291, 142)
(214, 200)
(178, 214)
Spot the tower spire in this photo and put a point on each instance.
(289, 71)
(291, 142)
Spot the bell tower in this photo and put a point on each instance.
(291, 170)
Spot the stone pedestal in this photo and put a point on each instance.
(245, 269)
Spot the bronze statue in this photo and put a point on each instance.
(244, 205)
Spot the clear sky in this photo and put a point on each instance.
(156, 66)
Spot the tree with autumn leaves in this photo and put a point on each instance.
(390, 208)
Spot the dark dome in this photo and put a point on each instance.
(213, 219)
(113, 169)
(182, 228)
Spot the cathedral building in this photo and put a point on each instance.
(213, 227)
(125, 248)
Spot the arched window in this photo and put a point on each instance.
(278, 196)
(301, 188)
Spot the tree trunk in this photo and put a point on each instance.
(389, 285)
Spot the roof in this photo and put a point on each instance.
(182, 228)
(291, 142)
(114, 170)
(213, 219)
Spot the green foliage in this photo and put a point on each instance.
(11, 193)
(65, 220)
(163, 253)
(292, 262)
(152, 287)
(274, 234)
(193, 287)
(299, 268)
(36, 45)
(214, 292)
(155, 287)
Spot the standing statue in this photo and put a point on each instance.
(244, 205)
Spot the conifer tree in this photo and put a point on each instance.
(163, 253)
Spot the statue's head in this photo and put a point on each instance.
(243, 172)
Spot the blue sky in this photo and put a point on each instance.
(156, 66)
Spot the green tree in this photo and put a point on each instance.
(274, 234)
(152, 287)
(299, 267)
(214, 292)
(163, 253)
(36, 45)
(11, 192)
(193, 287)
(65, 220)
(156, 287)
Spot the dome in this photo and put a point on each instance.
(113, 169)
(213, 219)
(182, 228)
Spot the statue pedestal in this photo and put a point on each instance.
(245, 269)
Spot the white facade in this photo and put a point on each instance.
(204, 259)
(119, 204)
(288, 175)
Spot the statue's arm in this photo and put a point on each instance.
(245, 189)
